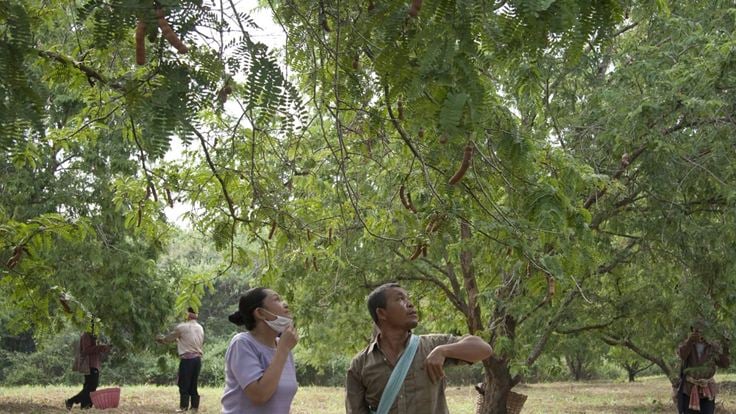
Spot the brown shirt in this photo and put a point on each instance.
(89, 348)
(370, 370)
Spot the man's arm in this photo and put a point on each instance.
(355, 392)
(170, 337)
(685, 348)
(470, 348)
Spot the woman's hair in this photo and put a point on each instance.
(250, 301)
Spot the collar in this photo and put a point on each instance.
(374, 343)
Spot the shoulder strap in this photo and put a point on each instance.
(397, 376)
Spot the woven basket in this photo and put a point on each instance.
(514, 402)
(105, 398)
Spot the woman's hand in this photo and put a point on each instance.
(288, 339)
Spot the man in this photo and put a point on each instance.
(423, 389)
(697, 391)
(189, 337)
(89, 352)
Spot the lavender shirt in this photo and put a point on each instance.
(246, 360)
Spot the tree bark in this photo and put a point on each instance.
(497, 384)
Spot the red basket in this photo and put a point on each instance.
(105, 398)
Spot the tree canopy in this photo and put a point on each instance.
(530, 169)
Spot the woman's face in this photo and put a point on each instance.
(276, 305)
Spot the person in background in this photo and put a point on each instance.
(90, 354)
(698, 389)
(423, 389)
(189, 338)
(260, 377)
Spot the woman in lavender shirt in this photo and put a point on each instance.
(259, 369)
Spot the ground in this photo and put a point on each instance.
(649, 395)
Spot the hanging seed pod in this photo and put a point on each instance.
(168, 33)
(406, 200)
(467, 156)
(417, 252)
(140, 42)
(416, 5)
(273, 229)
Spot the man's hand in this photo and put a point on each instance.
(434, 364)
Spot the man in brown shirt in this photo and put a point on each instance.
(423, 389)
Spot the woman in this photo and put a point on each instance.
(89, 349)
(259, 369)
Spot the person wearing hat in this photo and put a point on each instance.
(189, 338)
(260, 377)
(700, 357)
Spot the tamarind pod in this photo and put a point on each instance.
(417, 252)
(550, 286)
(148, 192)
(356, 63)
(169, 33)
(400, 106)
(424, 251)
(223, 94)
(433, 225)
(411, 204)
(420, 133)
(168, 197)
(306, 263)
(309, 235)
(140, 42)
(329, 236)
(140, 216)
(416, 5)
(314, 263)
(468, 154)
(406, 201)
(15, 258)
(153, 192)
(273, 229)
(65, 304)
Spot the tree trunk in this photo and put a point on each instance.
(497, 384)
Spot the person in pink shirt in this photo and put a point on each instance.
(88, 348)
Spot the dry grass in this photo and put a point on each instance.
(649, 395)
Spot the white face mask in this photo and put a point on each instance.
(280, 323)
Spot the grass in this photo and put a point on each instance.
(648, 395)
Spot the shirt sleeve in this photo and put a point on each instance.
(173, 335)
(355, 391)
(245, 364)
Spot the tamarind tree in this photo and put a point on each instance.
(529, 169)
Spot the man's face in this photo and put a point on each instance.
(399, 311)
